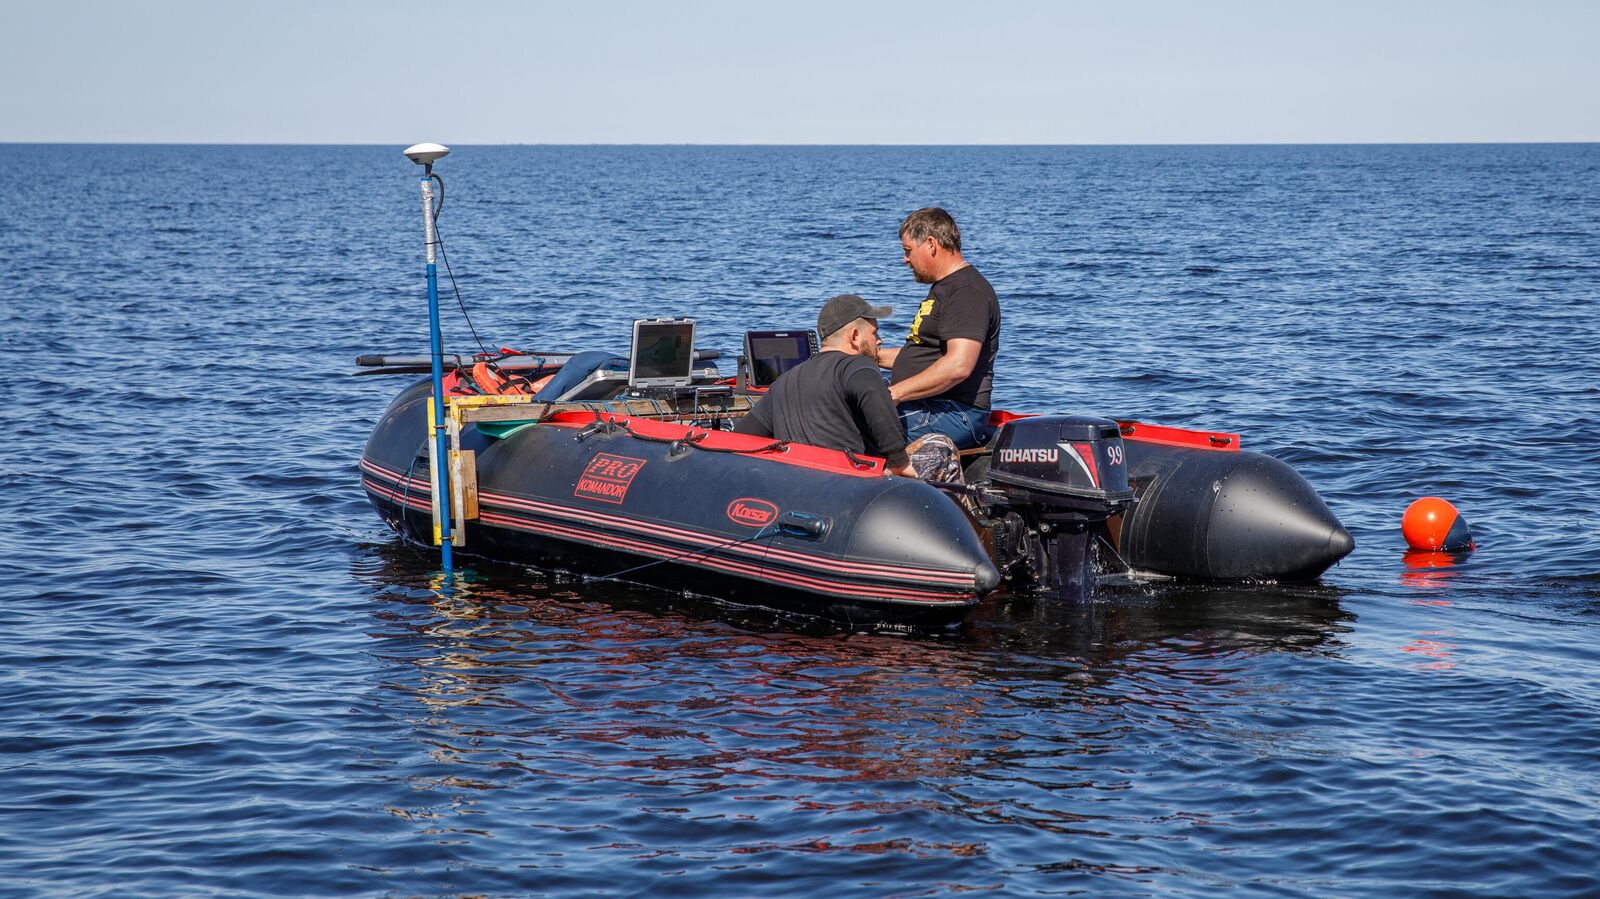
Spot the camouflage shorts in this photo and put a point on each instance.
(935, 458)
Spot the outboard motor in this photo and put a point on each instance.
(1053, 482)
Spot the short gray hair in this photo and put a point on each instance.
(935, 223)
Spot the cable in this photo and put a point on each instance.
(1105, 540)
(438, 238)
(405, 493)
(767, 532)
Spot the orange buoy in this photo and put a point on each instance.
(1431, 523)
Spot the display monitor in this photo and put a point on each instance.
(771, 353)
(663, 353)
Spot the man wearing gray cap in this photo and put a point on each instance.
(836, 399)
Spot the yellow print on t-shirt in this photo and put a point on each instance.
(916, 323)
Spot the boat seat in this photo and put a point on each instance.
(591, 375)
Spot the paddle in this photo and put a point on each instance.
(411, 365)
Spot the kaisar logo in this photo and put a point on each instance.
(752, 512)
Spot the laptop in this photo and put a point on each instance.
(662, 354)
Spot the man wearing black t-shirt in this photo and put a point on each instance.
(942, 376)
(836, 399)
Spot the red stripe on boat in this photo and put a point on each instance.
(424, 503)
(839, 588)
(827, 563)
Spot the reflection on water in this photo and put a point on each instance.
(1191, 617)
(1433, 649)
(1432, 570)
(608, 712)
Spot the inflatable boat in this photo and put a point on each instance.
(577, 463)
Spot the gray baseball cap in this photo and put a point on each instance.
(844, 309)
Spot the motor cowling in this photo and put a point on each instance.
(1053, 482)
(1065, 463)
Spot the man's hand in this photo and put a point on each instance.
(904, 471)
(959, 359)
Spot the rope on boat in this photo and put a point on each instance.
(765, 533)
(856, 460)
(696, 441)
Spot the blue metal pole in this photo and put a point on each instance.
(441, 446)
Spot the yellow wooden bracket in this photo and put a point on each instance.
(463, 467)
(433, 475)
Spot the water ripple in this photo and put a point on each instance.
(225, 677)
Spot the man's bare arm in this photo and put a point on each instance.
(959, 359)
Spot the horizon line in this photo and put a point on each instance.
(1307, 143)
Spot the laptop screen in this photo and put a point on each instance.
(663, 353)
(771, 353)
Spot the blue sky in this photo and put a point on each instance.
(904, 72)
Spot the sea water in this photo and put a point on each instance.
(222, 675)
